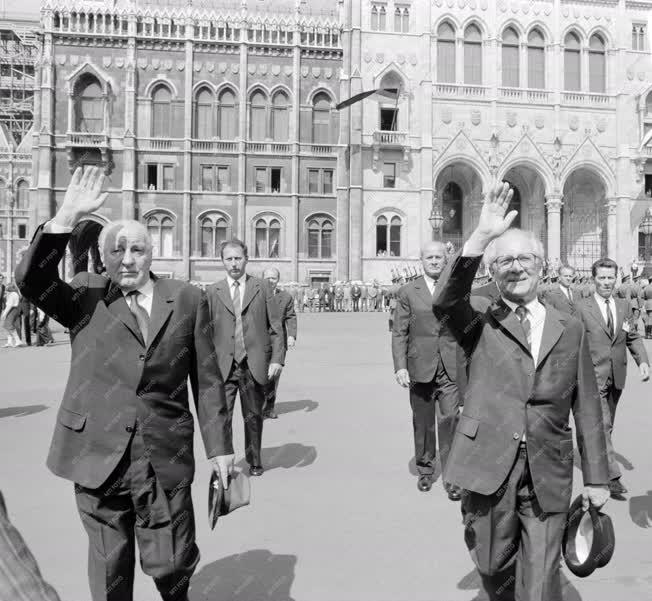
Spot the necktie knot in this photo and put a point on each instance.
(521, 312)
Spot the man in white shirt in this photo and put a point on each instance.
(606, 319)
(561, 296)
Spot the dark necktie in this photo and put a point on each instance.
(521, 313)
(610, 321)
(140, 313)
(240, 351)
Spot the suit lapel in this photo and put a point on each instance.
(162, 306)
(421, 287)
(117, 306)
(553, 328)
(225, 295)
(508, 320)
(597, 314)
(251, 289)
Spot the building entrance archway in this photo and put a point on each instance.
(529, 199)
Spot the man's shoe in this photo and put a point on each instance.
(616, 488)
(424, 483)
(454, 493)
(256, 470)
(270, 414)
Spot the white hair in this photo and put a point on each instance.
(119, 224)
(490, 253)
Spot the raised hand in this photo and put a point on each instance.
(83, 196)
(493, 222)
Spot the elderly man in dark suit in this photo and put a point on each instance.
(560, 295)
(248, 338)
(288, 317)
(124, 431)
(424, 354)
(529, 366)
(609, 333)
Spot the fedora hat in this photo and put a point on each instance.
(221, 501)
(589, 539)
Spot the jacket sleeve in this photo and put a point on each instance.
(275, 327)
(401, 330)
(636, 348)
(291, 319)
(589, 422)
(208, 387)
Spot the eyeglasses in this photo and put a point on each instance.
(526, 260)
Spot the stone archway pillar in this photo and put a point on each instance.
(553, 210)
(612, 228)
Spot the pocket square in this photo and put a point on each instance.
(223, 502)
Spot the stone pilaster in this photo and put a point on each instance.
(553, 209)
(612, 225)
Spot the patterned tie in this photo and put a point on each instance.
(140, 313)
(610, 321)
(240, 351)
(521, 313)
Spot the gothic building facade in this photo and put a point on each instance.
(220, 120)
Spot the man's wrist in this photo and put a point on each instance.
(476, 245)
(66, 218)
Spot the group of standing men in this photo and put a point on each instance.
(505, 364)
(124, 432)
(341, 297)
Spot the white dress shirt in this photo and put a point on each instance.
(145, 296)
(565, 292)
(536, 313)
(243, 285)
(603, 308)
(430, 283)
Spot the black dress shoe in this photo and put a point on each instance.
(270, 414)
(256, 470)
(616, 488)
(454, 494)
(424, 483)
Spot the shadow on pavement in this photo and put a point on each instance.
(253, 575)
(473, 581)
(640, 510)
(286, 456)
(412, 467)
(306, 405)
(21, 411)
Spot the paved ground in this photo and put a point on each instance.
(337, 516)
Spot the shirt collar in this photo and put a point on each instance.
(534, 307)
(600, 299)
(147, 289)
(230, 280)
(429, 280)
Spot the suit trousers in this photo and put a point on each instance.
(252, 401)
(270, 393)
(515, 546)
(609, 397)
(424, 397)
(131, 506)
(356, 304)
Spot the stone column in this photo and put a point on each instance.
(612, 225)
(553, 206)
(187, 223)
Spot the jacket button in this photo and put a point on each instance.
(129, 429)
(516, 435)
(141, 357)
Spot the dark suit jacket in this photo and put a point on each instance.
(507, 396)
(556, 298)
(288, 317)
(3, 289)
(261, 326)
(117, 378)
(356, 291)
(609, 356)
(418, 336)
(489, 291)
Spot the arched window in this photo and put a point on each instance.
(268, 238)
(258, 116)
(388, 236)
(402, 19)
(511, 58)
(321, 119)
(472, 55)
(161, 112)
(280, 117)
(228, 115)
(536, 60)
(446, 53)
(214, 231)
(320, 237)
(452, 203)
(88, 105)
(597, 65)
(572, 62)
(204, 114)
(648, 104)
(161, 229)
(22, 194)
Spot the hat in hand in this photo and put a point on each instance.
(222, 501)
(589, 539)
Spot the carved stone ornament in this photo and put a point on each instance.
(120, 62)
(601, 125)
(287, 70)
(328, 72)
(473, 4)
(210, 67)
(525, 8)
(511, 118)
(630, 74)
(461, 3)
(156, 63)
(446, 116)
(514, 7)
(413, 59)
(222, 67)
(401, 59)
(181, 65)
(142, 63)
(74, 60)
(565, 11)
(251, 69)
(305, 71)
(198, 67)
(539, 121)
(439, 3)
(574, 122)
(641, 75)
(61, 59)
(276, 70)
(576, 13)
(262, 69)
(476, 117)
(536, 9)
(235, 68)
(450, 3)
(380, 57)
(483, 4)
(547, 9)
(106, 61)
(367, 57)
(316, 72)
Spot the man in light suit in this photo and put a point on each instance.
(529, 366)
(561, 296)
(248, 338)
(124, 432)
(424, 354)
(288, 317)
(609, 334)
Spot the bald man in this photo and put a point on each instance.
(124, 431)
(288, 317)
(425, 362)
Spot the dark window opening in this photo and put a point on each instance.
(152, 177)
(276, 179)
(648, 184)
(22, 230)
(388, 119)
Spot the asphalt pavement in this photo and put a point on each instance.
(337, 515)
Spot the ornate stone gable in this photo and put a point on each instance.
(460, 145)
(588, 151)
(526, 148)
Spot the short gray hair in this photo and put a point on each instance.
(490, 253)
(274, 269)
(119, 224)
